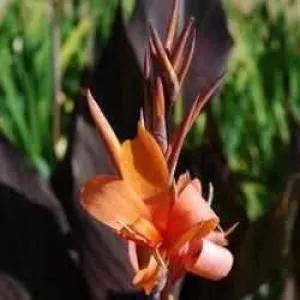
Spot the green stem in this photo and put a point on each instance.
(56, 72)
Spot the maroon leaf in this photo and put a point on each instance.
(34, 253)
(213, 43)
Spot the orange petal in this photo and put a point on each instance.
(150, 273)
(148, 277)
(143, 232)
(146, 273)
(112, 202)
(190, 217)
(211, 261)
(159, 207)
(143, 165)
(139, 256)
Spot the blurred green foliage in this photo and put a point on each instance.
(261, 96)
(25, 58)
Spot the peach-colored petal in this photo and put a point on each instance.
(150, 272)
(148, 277)
(143, 165)
(196, 232)
(144, 265)
(112, 202)
(190, 217)
(182, 182)
(197, 185)
(211, 261)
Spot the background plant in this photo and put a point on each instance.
(26, 107)
(260, 98)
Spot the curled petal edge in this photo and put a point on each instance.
(211, 261)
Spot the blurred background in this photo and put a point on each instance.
(46, 50)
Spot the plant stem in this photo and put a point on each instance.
(165, 294)
(55, 63)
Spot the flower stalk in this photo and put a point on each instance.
(56, 71)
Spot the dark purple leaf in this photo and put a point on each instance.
(34, 253)
(213, 43)
(118, 83)
(145, 12)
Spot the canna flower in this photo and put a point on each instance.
(170, 227)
